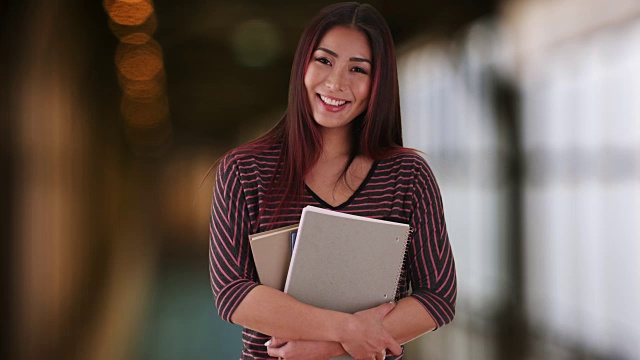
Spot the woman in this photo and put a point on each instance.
(338, 146)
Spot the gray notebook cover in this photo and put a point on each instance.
(344, 262)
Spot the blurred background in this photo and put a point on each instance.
(113, 111)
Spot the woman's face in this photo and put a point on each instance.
(338, 78)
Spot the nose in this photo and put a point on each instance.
(335, 81)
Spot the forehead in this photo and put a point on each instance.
(346, 41)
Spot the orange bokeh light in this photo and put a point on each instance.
(143, 89)
(139, 61)
(129, 12)
(135, 38)
(123, 31)
(145, 113)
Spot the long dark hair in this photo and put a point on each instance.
(376, 133)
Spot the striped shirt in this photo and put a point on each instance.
(401, 188)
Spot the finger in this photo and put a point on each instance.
(276, 343)
(393, 346)
(381, 355)
(277, 352)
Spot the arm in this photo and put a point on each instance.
(273, 312)
(407, 321)
(430, 263)
(319, 349)
(241, 300)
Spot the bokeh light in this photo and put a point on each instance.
(145, 113)
(122, 31)
(139, 61)
(151, 88)
(256, 43)
(136, 38)
(128, 12)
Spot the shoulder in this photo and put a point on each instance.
(407, 160)
(411, 169)
(248, 160)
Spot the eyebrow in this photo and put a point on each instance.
(333, 53)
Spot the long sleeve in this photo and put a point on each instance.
(230, 266)
(431, 263)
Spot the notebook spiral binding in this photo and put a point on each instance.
(404, 260)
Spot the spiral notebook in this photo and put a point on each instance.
(345, 262)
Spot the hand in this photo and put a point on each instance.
(365, 336)
(303, 349)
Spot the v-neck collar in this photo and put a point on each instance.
(350, 199)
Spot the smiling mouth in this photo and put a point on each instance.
(332, 102)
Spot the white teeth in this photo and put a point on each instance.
(331, 101)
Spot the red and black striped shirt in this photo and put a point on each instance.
(401, 188)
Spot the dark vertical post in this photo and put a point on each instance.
(512, 330)
(12, 15)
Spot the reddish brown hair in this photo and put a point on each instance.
(376, 133)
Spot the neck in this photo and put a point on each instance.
(336, 143)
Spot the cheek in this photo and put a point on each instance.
(364, 90)
(307, 82)
(310, 78)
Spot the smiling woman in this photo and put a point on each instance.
(338, 78)
(338, 146)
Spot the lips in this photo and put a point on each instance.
(332, 104)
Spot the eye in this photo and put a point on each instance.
(358, 69)
(323, 60)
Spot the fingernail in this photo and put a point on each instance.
(267, 343)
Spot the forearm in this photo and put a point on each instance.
(275, 313)
(408, 320)
(364, 334)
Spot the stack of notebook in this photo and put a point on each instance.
(333, 260)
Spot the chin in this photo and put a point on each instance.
(331, 123)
